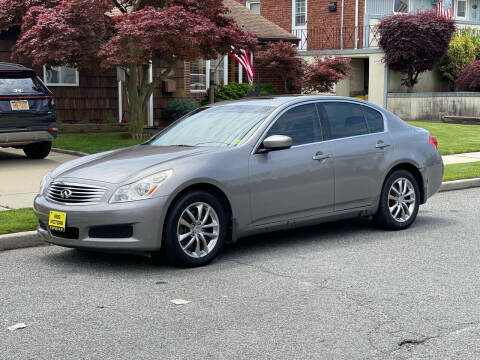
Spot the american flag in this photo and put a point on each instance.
(244, 60)
(445, 9)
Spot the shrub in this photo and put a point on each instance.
(414, 43)
(469, 78)
(234, 91)
(280, 60)
(460, 53)
(175, 109)
(322, 74)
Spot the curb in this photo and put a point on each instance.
(32, 238)
(459, 184)
(69, 152)
(20, 240)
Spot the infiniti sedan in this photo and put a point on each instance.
(240, 168)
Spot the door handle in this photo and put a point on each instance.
(381, 145)
(319, 156)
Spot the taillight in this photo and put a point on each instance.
(53, 129)
(433, 140)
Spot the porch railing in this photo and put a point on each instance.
(337, 38)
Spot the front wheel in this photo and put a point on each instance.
(196, 229)
(38, 150)
(399, 201)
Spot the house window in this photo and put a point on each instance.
(400, 6)
(300, 12)
(461, 9)
(254, 5)
(60, 76)
(200, 73)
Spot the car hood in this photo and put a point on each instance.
(119, 165)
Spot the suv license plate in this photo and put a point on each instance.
(19, 105)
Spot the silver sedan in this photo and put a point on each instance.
(240, 168)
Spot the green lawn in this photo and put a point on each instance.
(17, 220)
(94, 143)
(452, 138)
(462, 171)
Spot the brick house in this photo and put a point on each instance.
(93, 94)
(348, 28)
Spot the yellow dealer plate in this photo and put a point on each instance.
(19, 105)
(57, 221)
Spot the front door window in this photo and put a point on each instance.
(300, 17)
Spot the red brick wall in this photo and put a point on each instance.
(278, 12)
(323, 26)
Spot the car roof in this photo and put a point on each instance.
(10, 67)
(280, 100)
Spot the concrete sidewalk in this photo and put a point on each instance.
(461, 158)
(20, 177)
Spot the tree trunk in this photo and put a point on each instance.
(136, 103)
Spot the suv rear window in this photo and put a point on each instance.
(18, 84)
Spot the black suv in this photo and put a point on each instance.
(27, 111)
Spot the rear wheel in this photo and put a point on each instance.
(38, 150)
(399, 201)
(196, 229)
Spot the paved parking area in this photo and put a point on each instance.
(336, 291)
(20, 177)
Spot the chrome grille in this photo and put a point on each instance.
(75, 194)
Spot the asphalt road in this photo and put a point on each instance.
(338, 291)
(20, 177)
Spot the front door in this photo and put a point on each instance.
(293, 183)
(359, 147)
(299, 22)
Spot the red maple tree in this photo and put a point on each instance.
(323, 73)
(124, 33)
(281, 60)
(414, 43)
(469, 78)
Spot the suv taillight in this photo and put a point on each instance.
(433, 140)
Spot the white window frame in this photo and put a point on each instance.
(249, 3)
(409, 7)
(207, 77)
(294, 14)
(455, 9)
(77, 78)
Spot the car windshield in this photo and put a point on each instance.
(18, 84)
(223, 126)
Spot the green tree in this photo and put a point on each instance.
(461, 53)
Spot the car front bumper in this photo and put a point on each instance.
(144, 218)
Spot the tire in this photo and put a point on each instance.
(180, 253)
(404, 208)
(38, 150)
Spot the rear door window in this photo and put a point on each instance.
(13, 84)
(374, 119)
(300, 123)
(343, 119)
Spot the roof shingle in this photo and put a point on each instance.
(257, 24)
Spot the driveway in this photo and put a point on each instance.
(337, 291)
(20, 177)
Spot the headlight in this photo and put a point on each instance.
(44, 183)
(142, 189)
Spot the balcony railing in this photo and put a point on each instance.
(337, 38)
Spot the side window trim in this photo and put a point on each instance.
(265, 132)
(381, 114)
(326, 128)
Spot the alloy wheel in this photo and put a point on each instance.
(198, 229)
(401, 200)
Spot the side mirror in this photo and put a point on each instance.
(277, 142)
